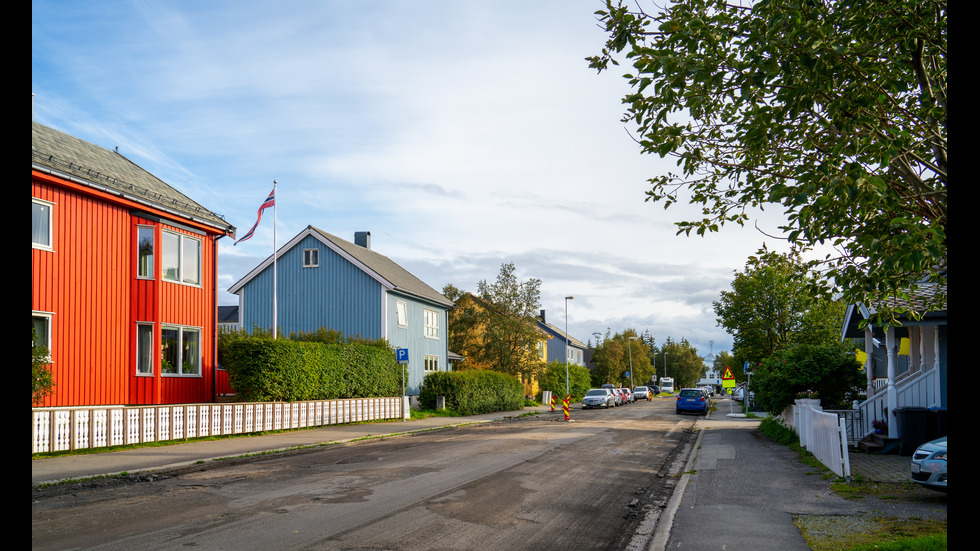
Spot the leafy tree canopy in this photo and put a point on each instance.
(769, 307)
(612, 360)
(510, 335)
(683, 364)
(834, 110)
(829, 372)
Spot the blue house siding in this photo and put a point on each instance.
(335, 295)
(351, 289)
(412, 336)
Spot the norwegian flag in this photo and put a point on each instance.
(270, 201)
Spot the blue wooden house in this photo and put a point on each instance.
(561, 347)
(326, 281)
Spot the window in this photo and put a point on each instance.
(41, 224)
(311, 258)
(144, 251)
(41, 323)
(180, 350)
(402, 310)
(431, 363)
(144, 349)
(541, 350)
(181, 258)
(431, 324)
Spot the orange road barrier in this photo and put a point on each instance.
(564, 405)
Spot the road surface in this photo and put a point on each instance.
(530, 483)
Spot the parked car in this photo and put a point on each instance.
(692, 399)
(655, 389)
(929, 465)
(617, 395)
(598, 398)
(642, 393)
(628, 395)
(739, 395)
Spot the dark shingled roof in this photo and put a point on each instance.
(68, 157)
(397, 276)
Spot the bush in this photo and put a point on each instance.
(831, 371)
(554, 380)
(472, 392)
(42, 382)
(263, 369)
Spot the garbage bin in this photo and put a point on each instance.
(913, 428)
(937, 423)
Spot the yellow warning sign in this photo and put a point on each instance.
(728, 379)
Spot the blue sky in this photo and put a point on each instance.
(461, 134)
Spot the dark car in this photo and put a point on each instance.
(693, 400)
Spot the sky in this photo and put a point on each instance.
(462, 134)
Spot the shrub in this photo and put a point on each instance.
(265, 369)
(830, 371)
(554, 380)
(42, 382)
(472, 392)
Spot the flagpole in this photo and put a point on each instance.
(275, 264)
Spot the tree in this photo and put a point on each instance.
(834, 110)
(827, 371)
(612, 359)
(683, 364)
(770, 307)
(510, 335)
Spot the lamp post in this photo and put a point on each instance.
(568, 391)
(629, 347)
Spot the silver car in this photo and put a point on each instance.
(929, 465)
(598, 398)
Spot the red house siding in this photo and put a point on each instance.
(88, 285)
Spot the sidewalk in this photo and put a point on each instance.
(740, 490)
(55, 469)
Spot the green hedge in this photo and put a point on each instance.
(554, 380)
(472, 392)
(265, 369)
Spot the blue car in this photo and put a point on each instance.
(693, 400)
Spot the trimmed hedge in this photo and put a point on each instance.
(264, 370)
(472, 392)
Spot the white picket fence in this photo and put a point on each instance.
(72, 428)
(823, 434)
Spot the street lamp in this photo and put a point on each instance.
(568, 391)
(629, 346)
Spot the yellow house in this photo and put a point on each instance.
(467, 330)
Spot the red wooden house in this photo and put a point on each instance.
(123, 278)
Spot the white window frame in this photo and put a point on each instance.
(144, 369)
(431, 318)
(182, 268)
(49, 246)
(401, 313)
(150, 273)
(179, 368)
(47, 317)
(311, 258)
(431, 363)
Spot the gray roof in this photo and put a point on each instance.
(70, 158)
(572, 341)
(398, 277)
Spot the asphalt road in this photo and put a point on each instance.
(529, 483)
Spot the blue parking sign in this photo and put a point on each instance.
(401, 355)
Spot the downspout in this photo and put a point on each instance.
(214, 321)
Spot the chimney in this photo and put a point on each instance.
(542, 316)
(363, 239)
